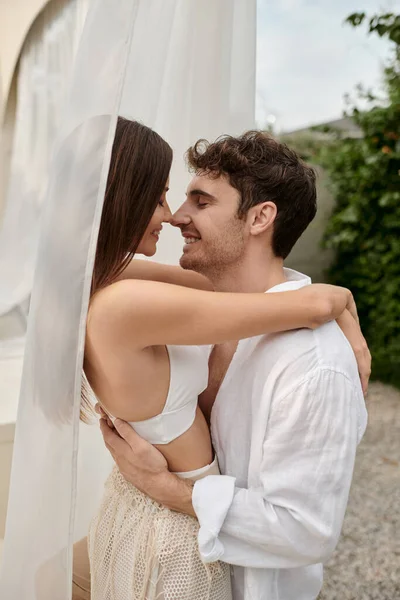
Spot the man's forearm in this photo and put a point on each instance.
(173, 492)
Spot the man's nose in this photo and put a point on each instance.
(180, 218)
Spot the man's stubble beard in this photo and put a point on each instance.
(222, 254)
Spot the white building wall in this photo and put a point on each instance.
(16, 18)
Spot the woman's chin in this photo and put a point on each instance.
(147, 247)
(149, 251)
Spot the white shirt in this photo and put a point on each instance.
(285, 426)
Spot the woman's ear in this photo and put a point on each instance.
(262, 217)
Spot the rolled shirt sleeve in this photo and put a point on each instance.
(295, 516)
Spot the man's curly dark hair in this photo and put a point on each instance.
(262, 169)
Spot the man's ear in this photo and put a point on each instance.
(262, 217)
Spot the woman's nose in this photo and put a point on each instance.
(167, 213)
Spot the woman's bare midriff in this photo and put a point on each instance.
(192, 450)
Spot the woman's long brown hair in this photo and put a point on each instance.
(139, 168)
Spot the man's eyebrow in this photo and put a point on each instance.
(199, 192)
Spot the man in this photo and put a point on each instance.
(286, 410)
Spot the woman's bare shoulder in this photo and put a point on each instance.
(117, 296)
(124, 307)
(109, 306)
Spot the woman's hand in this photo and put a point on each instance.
(352, 331)
(328, 302)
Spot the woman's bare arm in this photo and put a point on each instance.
(147, 313)
(352, 331)
(152, 271)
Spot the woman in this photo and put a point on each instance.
(145, 364)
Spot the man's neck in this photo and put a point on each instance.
(250, 276)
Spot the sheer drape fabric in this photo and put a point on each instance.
(187, 69)
(43, 72)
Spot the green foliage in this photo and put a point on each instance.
(364, 229)
(307, 145)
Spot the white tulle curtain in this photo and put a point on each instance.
(187, 69)
(43, 71)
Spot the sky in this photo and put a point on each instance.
(307, 59)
